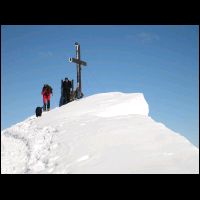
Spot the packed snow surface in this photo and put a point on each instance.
(103, 133)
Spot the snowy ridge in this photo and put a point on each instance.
(130, 104)
(110, 105)
(103, 133)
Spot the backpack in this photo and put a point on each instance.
(38, 111)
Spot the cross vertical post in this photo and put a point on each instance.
(78, 57)
(78, 62)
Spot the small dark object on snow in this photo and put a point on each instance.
(38, 111)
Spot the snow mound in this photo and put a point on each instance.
(103, 133)
(110, 105)
(125, 104)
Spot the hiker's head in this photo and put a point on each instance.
(66, 79)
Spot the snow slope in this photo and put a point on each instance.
(103, 133)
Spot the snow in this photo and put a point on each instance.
(103, 133)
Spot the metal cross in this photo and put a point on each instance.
(78, 62)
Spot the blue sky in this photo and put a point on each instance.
(162, 62)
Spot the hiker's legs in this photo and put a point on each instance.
(48, 103)
(68, 99)
(44, 103)
(68, 96)
(64, 97)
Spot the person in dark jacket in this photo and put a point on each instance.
(66, 90)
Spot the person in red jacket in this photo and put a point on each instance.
(46, 92)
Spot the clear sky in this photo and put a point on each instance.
(162, 62)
